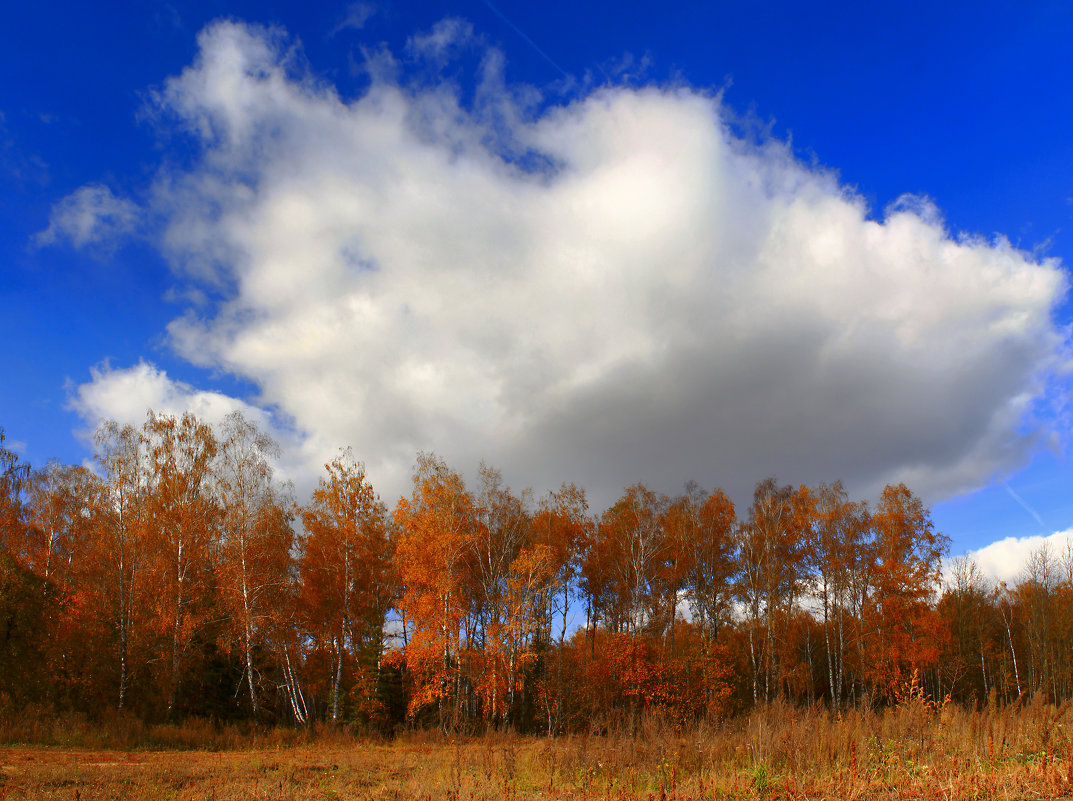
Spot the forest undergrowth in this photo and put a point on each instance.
(915, 750)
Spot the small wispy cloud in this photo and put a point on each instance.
(442, 42)
(88, 216)
(18, 163)
(357, 14)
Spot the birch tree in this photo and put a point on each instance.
(256, 541)
(904, 630)
(180, 526)
(119, 544)
(344, 569)
(438, 529)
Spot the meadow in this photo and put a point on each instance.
(912, 751)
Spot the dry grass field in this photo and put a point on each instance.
(911, 752)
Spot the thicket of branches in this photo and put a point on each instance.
(178, 577)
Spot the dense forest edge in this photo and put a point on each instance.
(176, 580)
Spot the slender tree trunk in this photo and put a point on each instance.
(753, 664)
(770, 661)
(827, 645)
(1013, 654)
(247, 626)
(841, 656)
(294, 690)
(559, 666)
(122, 664)
(173, 688)
(255, 707)
(127, 569)
(180, 577)
(337, 683)
(444, 681)
(123, 634)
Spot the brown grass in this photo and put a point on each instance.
(911, 752)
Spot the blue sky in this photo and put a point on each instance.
(604, 244)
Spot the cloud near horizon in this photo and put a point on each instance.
(1007, 560)
(607, 290)
(126, 395)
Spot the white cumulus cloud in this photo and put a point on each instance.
(605, 290)
(1008, 559)
(125, 395)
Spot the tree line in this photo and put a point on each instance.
(176, 576)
